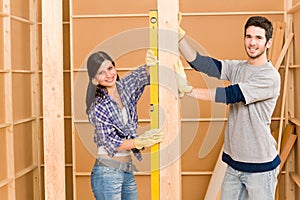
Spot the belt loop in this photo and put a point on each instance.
(99, 160)
(120, 166)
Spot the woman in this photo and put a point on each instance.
(112, 110)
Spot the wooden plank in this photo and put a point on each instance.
(294, 9)
(286, 150)
(295, 121)
(284, 50)
(8, 100)
(53, 104)
(278, 38)
(296, 178)
(170, 162)
(214, 188)
(35, 100)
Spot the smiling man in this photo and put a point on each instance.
(249, 148)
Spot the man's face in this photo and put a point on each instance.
(255, 42)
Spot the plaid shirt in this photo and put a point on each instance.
(106, 116)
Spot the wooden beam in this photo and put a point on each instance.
(296, 178)
(53, 104)
(294, 9)
(170, 163)
(287, 145)
(278, 38)
(295, 121)
(284, 50)
(10, 154)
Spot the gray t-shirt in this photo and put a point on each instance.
(248, 136)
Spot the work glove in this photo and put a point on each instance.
(148, 138)
(181, 32)
(151, 58)
(182, 84)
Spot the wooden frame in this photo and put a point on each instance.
(53, 107)
(170, 179)
(16, 171)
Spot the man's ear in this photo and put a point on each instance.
(269, 43)
(94, 81)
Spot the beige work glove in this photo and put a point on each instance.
(181, 32)
(148, 138)
(182, 84)
(151, 58)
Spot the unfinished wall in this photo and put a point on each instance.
(19, 102)
(296, 17)
(121, 29)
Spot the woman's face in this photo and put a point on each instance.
(106, 74)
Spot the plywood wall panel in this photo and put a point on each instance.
(20, 45)
(85, 149)
(21, 96)
(3, 155)
(97, 31)
(112, 7)
(68, 141)
(143, 184)
(83, 189)
(230, 6)
(66, 46)
(194, 187)
(4, 192)
(192, 135)
(20, 8)
(69, 183)
(67, 94)
(23, 149)
(24, 187)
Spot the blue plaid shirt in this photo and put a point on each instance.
(106, 116)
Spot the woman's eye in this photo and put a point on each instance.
(101, 73)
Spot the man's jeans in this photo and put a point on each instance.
(113, 184)
(239, 185)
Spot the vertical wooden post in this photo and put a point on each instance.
(8, 100)
(35, 100)
(170, 162)
(53, 104)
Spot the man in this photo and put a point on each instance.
(249, 148)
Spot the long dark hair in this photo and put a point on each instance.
(95, 60)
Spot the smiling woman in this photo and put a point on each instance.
(112, 110)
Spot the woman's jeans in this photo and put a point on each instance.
(113, 184)
(239, 185)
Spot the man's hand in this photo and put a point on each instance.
(182, 84)
(148, 138)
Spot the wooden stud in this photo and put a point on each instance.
(35, 101)
(170, 162)
(53, 104)
(8, 101)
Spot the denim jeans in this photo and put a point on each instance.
(113, 184)
(239, 185)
